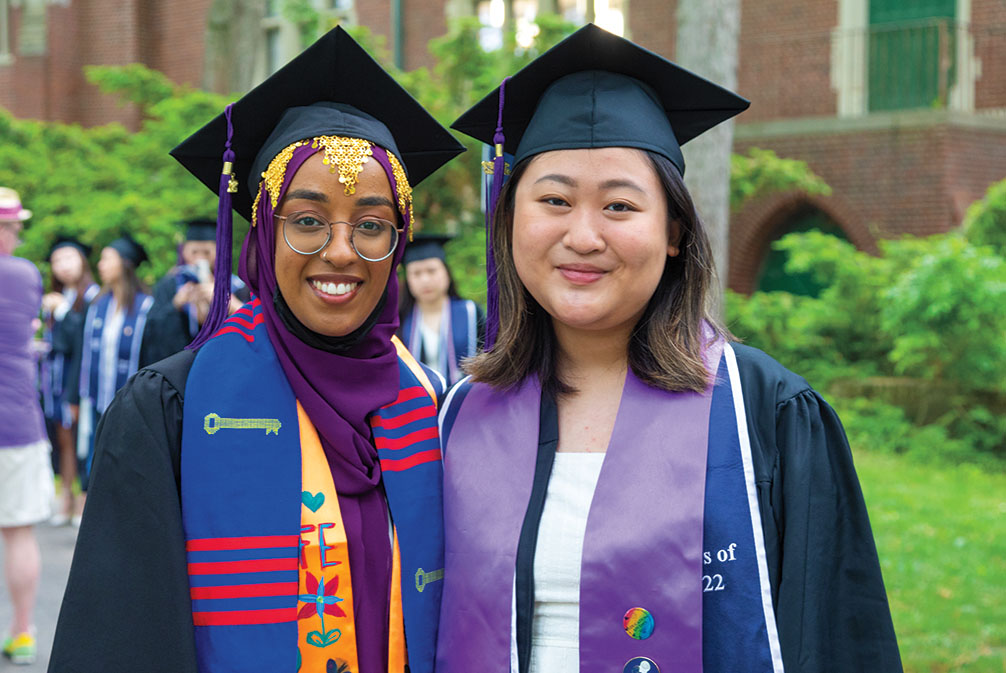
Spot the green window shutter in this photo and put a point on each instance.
(911, 53)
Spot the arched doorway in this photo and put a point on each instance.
(773, 276)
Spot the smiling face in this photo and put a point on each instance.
(591, 235)
(333, 291)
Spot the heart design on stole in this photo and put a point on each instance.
(313, 501)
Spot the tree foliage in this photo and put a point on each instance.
(762, 172)
(985, 220)
(926, 315)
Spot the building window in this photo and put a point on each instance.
(519, 15)
(892, 55)
(910, 54)
(283, 40)
(5, 55)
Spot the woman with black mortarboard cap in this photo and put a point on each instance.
(626, 489)
(71, 289)
(269, 498)
(114, 338)
(439, 327)
(182, 298)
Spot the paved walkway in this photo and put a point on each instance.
(57, 550)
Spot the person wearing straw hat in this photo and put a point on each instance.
(625, 489)
(269, 499)
(26, 481)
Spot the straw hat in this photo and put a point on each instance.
(10, 206)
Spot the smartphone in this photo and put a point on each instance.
(203, 270)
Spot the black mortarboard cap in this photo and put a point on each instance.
(64, 241)
(129, 248)
(426, 246)
(595, 89)
(332, 88)
(200, 229)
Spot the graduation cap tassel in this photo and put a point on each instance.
(498, 176)
(225, 224)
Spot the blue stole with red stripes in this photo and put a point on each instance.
(242, 499)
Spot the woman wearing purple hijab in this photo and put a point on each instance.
(624, 489)
(269, 499)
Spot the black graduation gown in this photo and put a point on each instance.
(830, 602)
(126, 606)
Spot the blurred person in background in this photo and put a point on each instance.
(26, 480)
(182, 297)
(439, 327)
(72, 288)
(114, 339)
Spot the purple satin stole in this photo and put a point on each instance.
(643, 543)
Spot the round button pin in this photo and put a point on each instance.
(127, 330)
(638, 623)
(641, 665)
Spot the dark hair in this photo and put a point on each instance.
(665, 349)
(84, 282)
(407, 301)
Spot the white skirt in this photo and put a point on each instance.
(26, 484)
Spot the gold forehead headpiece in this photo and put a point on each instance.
(342, 154)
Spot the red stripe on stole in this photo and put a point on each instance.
(256, 302)
(407, 440)
(244, 590)
(238, 320)
(239, 617)
(253, 566)
(407, 394)
(400, 464)
(244, 310)
(406, 418)
(257, 542)
(227, 329)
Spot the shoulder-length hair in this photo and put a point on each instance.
(666, 347)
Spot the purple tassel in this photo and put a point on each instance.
(219, 309)
(493, 196)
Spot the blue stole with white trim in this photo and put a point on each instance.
(739, 632)
(458, 336)
(242, 499)
(97, 387)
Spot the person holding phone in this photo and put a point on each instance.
(183, 296)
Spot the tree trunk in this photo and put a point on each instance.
(234, 45)
(707, 45)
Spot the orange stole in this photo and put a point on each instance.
(325, 626)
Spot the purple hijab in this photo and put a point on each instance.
(339, 392)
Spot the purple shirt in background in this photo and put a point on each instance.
(20, 300)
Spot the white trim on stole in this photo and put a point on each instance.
(749, 481)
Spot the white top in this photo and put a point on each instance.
(431, 345)
(555, 638)
(108, 362)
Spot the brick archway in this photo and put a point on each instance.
(755, 227)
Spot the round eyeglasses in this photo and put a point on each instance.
(307, 233)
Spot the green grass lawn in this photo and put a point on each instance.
(941, 535)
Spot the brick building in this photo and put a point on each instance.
(900, 107)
